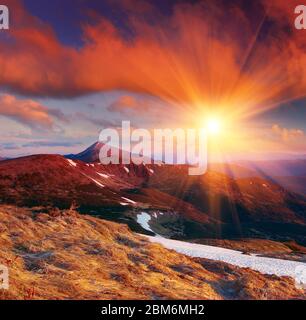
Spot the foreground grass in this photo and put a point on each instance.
(64, 255)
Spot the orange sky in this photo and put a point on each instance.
(197, 60)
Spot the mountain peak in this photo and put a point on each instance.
(91, 154)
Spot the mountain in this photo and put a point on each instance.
(249, 199)
(233, 170)
(294, 184)
(277, 168)
(92, 154)
(114, 192)
(245, 208)
(44, 179)
(178, 206)
(290, 174)
(264, 169)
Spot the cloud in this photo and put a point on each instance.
(58, 114)
(175, 57)
(169, 60)
(129, 103)
(98, 120)
(51, 144)
(9, 146)
(288, 135)
(28, 112)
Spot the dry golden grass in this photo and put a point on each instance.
(64, 255)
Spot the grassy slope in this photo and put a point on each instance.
(64, 255)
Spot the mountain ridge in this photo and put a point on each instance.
(213, 205)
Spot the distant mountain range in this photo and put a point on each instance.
(267, 169)
(215, 205)
(290, 174)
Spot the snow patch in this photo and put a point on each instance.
(143, 219)
(124, 203)
(264, 265)
(128, 200)
(103, 175)
(98, 183)
(72, 163)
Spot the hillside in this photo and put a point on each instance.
(113, 191)
(293, 183)
(64, 255)
(181, 207)
(249, 207)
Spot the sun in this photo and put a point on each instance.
(213, 126)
